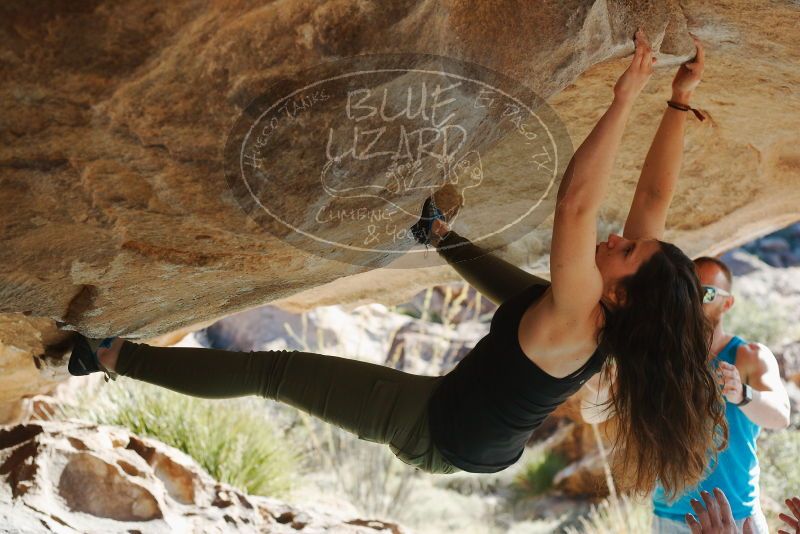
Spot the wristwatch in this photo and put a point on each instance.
(747, 393)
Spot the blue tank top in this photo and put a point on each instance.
(736, 471)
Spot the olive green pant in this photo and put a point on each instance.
(374, 402)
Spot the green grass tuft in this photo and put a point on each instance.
(231, 441)
(621, 515)
(537, 475)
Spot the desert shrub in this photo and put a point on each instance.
(767, 323)
(778, 454)
(615, 515)
(536, 477)
(366, 473)
(231, 441)
(451, 306)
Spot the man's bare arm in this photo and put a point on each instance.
(770, 405)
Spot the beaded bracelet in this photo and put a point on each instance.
(684, 107)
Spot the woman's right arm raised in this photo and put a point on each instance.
(576, 283)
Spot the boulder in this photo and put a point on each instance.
(24, 369)
(741, 262)
(774, 244)
(773, 259)
(91, 478)
(116, 217)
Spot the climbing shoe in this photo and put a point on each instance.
(421, 230)
(83, 360)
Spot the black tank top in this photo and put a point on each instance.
(484, 411)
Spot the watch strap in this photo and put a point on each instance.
(747, 395)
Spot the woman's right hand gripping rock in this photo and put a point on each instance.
(635, 77)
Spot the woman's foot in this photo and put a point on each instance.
(423, 231)
(92, 355)
(439, 229)
(108, 356)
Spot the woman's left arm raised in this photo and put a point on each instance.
(576, 283)
(648, 214)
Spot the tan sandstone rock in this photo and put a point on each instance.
(115, 216)
(80, 477)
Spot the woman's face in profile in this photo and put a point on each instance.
(619, 257)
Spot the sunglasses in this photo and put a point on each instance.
(710, 293)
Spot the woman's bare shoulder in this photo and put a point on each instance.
(573, 326)
(557, 344)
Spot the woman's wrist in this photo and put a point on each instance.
(622, 102)
(621, 107)
(681, 97)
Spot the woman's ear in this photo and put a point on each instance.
(614, 295)
(619, 295)
(609, 299)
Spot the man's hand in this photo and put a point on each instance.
(793, 522)
(716, 517)
(731, 381)
(689, 74)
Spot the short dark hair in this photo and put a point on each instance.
(719, 263)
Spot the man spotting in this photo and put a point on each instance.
(755, 398)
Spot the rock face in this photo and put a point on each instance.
(116, 217)
(22, 338)
(78, 477)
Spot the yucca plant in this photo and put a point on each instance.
(536, 477)
(233, 442)
(614, 515)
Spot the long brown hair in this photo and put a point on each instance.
(671, 414)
